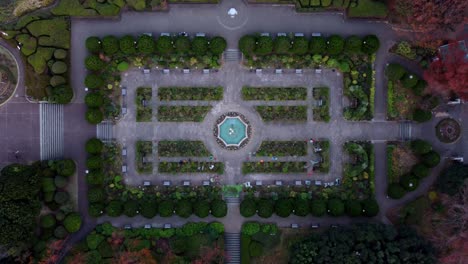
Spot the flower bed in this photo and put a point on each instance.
(359, 173)
(143, 102)
(282, 148)
(274, 93)
(324, 166)
(182, 113)
(190, 93)
(283, 113)
(448, 130)
(182, 148)
(143, 157)
(321, 112)
(185, 166)
(274, 167)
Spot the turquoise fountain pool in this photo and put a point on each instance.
(232, 131)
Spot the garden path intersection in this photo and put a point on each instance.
(215, 20)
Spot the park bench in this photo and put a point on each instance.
(258, 183)
(146, 183)
(166, 183)
(279, 71)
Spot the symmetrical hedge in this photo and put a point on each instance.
(190, 93)
(274, 93)
(283, 113)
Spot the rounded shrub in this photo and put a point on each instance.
(127, 45)
(335, 45)
(94, 63)
(60, 182)
(218, 208)
(431, 159)
(72, 222)
(94, 162)
(93, 44)
(395, 191)
(318, 45)
(114, 208)
(370, 44)
(395, 71)
(409, 183)
(281, 45)
(59, 67)
(419, 146)
(61, 197)
(94, 116)
(95, 209)
(353, 44)
(110, 45)
(201, 208)
(146, 44)
(283, 207)
(409, 80)
(95, 195)
(264, 45)
(60, 215)
(318, 207)
(182, 44)
(420, 170)
(247, 44)
(130, 208)
(95, 177)
(65, 167)
(353, 208)
(265, 208)
(149, 208)
(300, 46)
(335, 207)
(60, 54)
(255, 249)
(184, 208)
(164, 45)
(218, 45)
(93, 81)
(123, 66)
(421, 116)
(200, 46)
(57, 80)
(60, 232)
(370, 207)
(166, 208)
(250, 228)
(248, 207)
(94, 100)
(94, 146)
(301, 207)
(48, 221)
(61, 94)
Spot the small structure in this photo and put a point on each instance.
(147, 226)
(186, 183)
(232, 12)
(124, 169)
(124, 91)
(206, 183)
(298, 71)
(294, 226)
(206, 71)
(166, 183)
(166, 71)
(318, 71)
(318, 183)
(279, 183)
(258, 183)
(167, 226)
(186, 71)
(298, 183)
(258, 71)
(299, 34)
(146, 70)
(146, 183)
(282, 34)
(124, 151)
(279, 71)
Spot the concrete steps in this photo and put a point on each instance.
(405, 130)
(51, 131)
(232, 55)
(232, 247)
(104, 131)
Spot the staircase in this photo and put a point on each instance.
(51, 131)
(405, 130)
(230, 199)
(232, 247)
(104, 131)
(232, 55)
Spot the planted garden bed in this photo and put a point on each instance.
(283, 113)
(144, 107)
(144, 153)
(273, 167)
(182, 113)
(321, 111)
(324, 166)
(274, 93)
(282, 148)
(182, 149)
(359, 172)
(190, 93)
(185, 166)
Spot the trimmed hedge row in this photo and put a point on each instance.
(190, 93)
(274, 93)
(283, 113)
(273, 167)
(182, 113)
(282, 148)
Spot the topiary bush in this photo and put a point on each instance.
(217, 45)
(218, 208)
(182, 44)
(60, 232)
(94, 81)
(255, 249)
(395, 191)
(130, 208)
(94, 162)
(94, 146)
(335, 207)
(149, 208)
(409, 183)
(370, 207)
(95, 209)
(395, 71)
(248, 207)
(61, 94)
(283, 207)
(59, 67)
(95, 195)
(61, 197)
(318, 207)
(200, 46)
(127, 45)
(419, 146)
(301, 207)
(60, 182)
(201, 208)
(166, 208)
(164, 45)
(420, 170)
(110, 45)
(353, 44)
(370, 44)
(300, 46)
(48, 221)
(247, 44)
(65, 167)
(146, 44)
(353, 208)
(281, 45)
(94, 116)
(114, 208)
(94, 100)
(409, 80)
(94, 63)
(265, 208)
(335, 45)
(318, 45)
(57, 80)
(60, 54)
(264, 45)
(72, 222)
(250, 228)
(420, 115)
(431, 159)
(93, 44)
(184, 208)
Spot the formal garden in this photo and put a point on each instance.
(8, 75)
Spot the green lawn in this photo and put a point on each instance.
(368, 8)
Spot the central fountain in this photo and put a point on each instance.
(232, 131)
